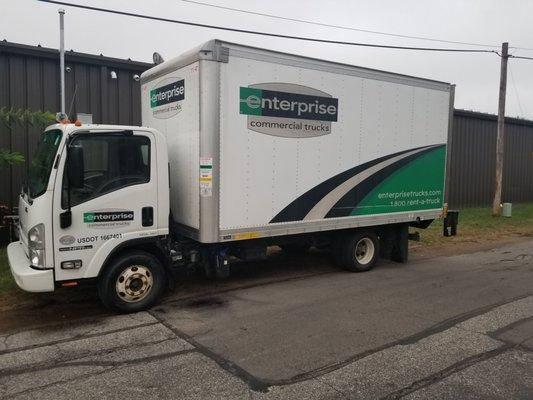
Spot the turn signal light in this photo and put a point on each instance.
(71, 264)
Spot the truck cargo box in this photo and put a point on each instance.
(263, 143)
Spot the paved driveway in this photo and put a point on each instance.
(449, 327)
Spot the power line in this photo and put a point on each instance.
(309, 39)
(522, 48)
(303, 21)
(516, 91)
(522, 57)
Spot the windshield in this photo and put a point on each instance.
(42, 162)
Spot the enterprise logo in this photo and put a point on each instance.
(270, 103)
(107, 216)
(170, 93)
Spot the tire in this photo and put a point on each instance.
(134, 281)
(359, 252)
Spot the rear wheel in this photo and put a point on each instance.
(359, 252)
(133, 282)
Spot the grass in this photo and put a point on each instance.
(6, 280)
(478, 225)
(475, 225)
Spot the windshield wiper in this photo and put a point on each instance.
(25, 192)
(24, 188)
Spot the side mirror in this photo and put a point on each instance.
(75, 167)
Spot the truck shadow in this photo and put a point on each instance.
(279, 266)
(19, 309)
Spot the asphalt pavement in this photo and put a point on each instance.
(450, 327)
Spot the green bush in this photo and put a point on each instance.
(10, 117)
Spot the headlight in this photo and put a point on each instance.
(36, 246)
(37, 258)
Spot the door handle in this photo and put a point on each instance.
(147, 216)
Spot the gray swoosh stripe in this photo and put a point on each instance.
(321, 208)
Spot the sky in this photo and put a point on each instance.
(488, 22)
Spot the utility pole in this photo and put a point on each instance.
(62, 60)
(496, 209)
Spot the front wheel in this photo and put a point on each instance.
(133, 282)
(359, 252)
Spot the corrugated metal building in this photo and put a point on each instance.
(29, 78)
(473, 159)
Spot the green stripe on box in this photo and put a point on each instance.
(418, 185)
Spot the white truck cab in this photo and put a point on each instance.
(91, 190)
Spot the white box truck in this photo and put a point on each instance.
(241, 148)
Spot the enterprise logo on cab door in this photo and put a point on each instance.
(108, 218)
(288, 110)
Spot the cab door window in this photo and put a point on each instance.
(110, 162)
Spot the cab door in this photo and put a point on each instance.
(115, 202)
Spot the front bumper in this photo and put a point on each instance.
(28, 278)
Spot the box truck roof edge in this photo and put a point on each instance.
(218, 50)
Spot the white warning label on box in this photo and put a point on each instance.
(206, 176)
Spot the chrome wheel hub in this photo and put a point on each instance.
(364, 251)
(134, 283)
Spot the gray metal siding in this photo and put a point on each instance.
(518, 167)
(5, 134)
(29, 78)
(473, 160)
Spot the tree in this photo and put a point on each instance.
(10, 117)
